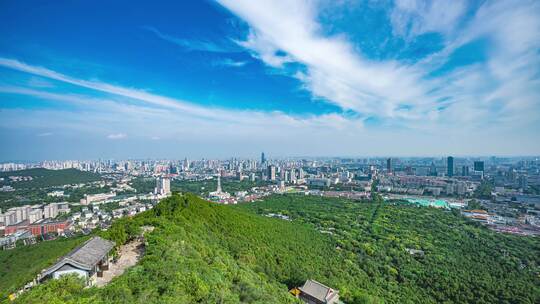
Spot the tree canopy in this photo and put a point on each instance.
(200, 252)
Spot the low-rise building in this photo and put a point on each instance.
(87, 261)
(314, 292)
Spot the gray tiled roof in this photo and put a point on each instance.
(91, 252)
(318, 291)
(85, 257)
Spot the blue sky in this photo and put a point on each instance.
(102, 79)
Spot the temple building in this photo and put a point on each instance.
(88, 261)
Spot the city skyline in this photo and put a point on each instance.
(291, 78)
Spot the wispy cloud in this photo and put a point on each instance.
(38, 82)
(45, 134)
(193, 44)
(227, 62)
(117, 136)
(468, 108)
(287, 31)
(337, 72)
(137, 94)
(415, 17)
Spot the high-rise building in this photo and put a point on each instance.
(292, 175)
(433, 169)
(523, 182)
(465, 171)
(271, 174)
(263, 159)
(479, 166)
(389, 165)
(450, 166)
(163, 186)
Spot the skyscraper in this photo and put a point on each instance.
(389, 165)
(465, 171)
(271, 173)
(479, 166)
(450, 166)
(263, 159)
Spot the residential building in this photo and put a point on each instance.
(271, 173)
(50, 211)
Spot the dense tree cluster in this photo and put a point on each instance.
(42, 178)
(21, 265)
(201, 252)
(203, 187)
(44, 181)
(463, 262)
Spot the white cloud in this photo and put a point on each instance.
(116, 136)
(191, 44)
(45, 134)
(484, 102)
(415, 17)
(391, 90)
(227, 62)
(287, 31)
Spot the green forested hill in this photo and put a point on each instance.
(48, 178)
(463, 261)
(206, 253)
(21, 265)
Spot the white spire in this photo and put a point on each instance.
(219, 183)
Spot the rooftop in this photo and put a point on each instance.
(317, 290)
(86, 256)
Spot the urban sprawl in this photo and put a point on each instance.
(502, 193)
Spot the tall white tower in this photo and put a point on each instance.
(218, 183)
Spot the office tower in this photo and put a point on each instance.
(271, 173)
(479, 166)
(465, 171)
(433, 169)
(450, 166)
(389, 165)
(263, 159)
(523, 182)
